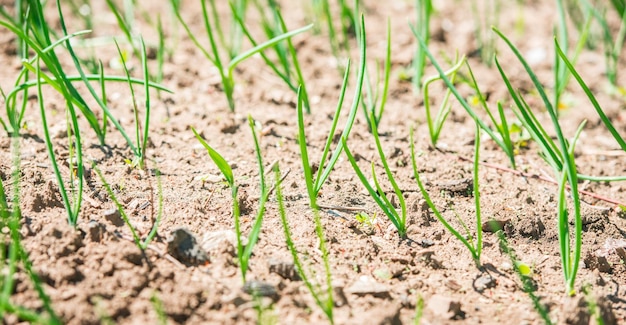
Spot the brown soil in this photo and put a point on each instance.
(94, 273)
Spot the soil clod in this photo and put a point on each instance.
(286, 270)
(365, 285)
(445, 307)
(484, 282)
(260, 288)
(114, 217)
(183, 246)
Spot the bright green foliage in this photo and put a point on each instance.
(323, 299)
(475, 247)
(314, 186)
(379, 196)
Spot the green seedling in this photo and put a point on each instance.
(561, 73)
(612, 44)
(226, 71)
(484, 17)
(419, 310)
(424, 10)
(287, 56)
(497, 139)
(157, 305)
(524, 273)
(561, 159)
(379, 196)
(39, 41)
(435, 126)
(373, 110)
(504, 129)
(475, 247)
(72, 199)
(125, 23)
(12, 253)
(324, 300)
(141, 138)
(605, 119)
(314, 186)
(141, 244)
(340, 47)
(243, 252)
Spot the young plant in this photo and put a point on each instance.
(72, 200)
(435, 126)
(379, 196)
(243, 252)
(527, 283)
(226, 71)
(141, 244)
(142, 139)
(475, 247)
(12, 253)
(348, 20)
(496, 138)
(323, 299)
(484, 17)
(315, 185)
(605, 119)
(39, 41)
(561, 73)
(424, 10)
(561, 159)
(373, 110)
(612, 44)
(502, 126)
(287, 56)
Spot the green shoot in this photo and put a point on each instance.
(125, 24)
(142, 139)
(562, 161)
(323, 300)
(424, 9)
(527, 283)
(435, 127)
(243, 253)
(502, 126)
(458, 95)
(339, 46)
(284, 66)
(379, 196)
(315, 185)
(605, 119)
(11, 219)
(226, 71)
(475, 247)
(157, 305)
(73, 200)
(561, 73)
(141, 244)
(371, 108)
(612, 45)
(484, 17)
(419, 310)
(253, 237)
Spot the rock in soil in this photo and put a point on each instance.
(114, 217)
(445, 307)
(286, 270)
(593, 261)
(484, 282)
(183, 246)
(365, 285)
(576, 311)
(260, 288)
